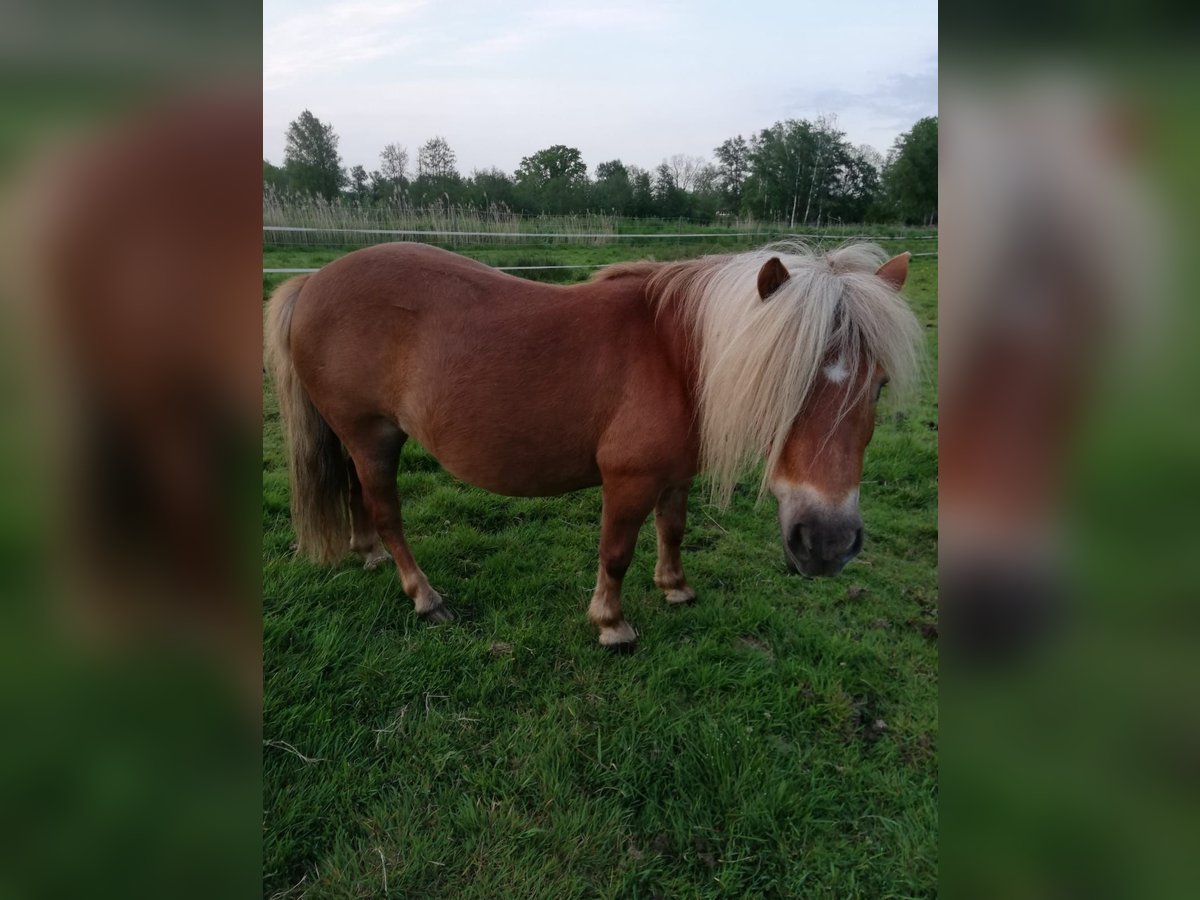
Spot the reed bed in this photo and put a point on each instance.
(346, 222)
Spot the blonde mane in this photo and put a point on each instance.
(758, 360)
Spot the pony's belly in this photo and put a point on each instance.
(513, 463)
(524, 477)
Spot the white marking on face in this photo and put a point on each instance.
(850, 501)
(804, 495)
(837, 373)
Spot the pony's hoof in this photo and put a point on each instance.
(375, 559)
(619, 638)
(684, 596)
(437, 615)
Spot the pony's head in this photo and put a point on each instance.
(817, 473)
(794, 350)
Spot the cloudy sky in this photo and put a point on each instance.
(638, 81)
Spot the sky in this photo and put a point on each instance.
(637, 81)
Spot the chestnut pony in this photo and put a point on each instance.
(636, 380)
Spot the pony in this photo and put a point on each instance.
(1056, 271)
(148, 388)
(636, 381)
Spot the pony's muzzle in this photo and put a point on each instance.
(822, 545)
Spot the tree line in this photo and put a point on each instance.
(796, 172)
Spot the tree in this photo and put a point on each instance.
(911, 175)
(552, 180)
(311, 157)
(669, 197)
(706, 198)
(489, 188)
(274, 177)
(829, 147)
(393, 163)
(436, 160)
(733, 165)
(706, 179)
(806, 172)
(684, 170)
(606, 170)
(857, 186)
(380, 189)
(780, 158)
(613, 189)
(643, 192)
(438, 181)
(358, 183)
(554, 163)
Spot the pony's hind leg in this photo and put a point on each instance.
(627, 502)
(364, 538)
(376, 455)
(670, 519)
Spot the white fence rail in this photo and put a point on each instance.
(500, 268)
(507, 236)
(416, 232)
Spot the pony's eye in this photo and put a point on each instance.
(879, 390)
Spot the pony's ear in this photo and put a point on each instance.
(771, 276)
(895, 271)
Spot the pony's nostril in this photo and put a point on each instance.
(806, 537)
(799, 541)
(843, 544)
(795, 538)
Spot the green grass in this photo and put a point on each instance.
(529, 252)
(507, 755)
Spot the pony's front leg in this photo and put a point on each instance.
(627, 502)
(670, 519)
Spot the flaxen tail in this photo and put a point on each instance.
(320, 484)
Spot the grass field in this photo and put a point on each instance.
(534, 250)
(777, 739)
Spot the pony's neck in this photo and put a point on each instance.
(671, 320)
(673, 326)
